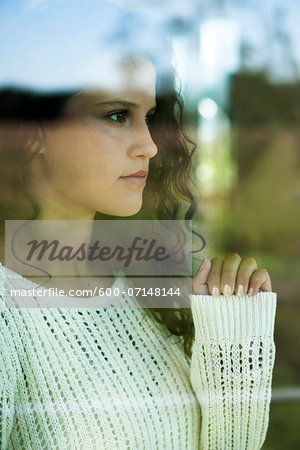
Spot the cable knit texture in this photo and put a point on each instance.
(114, 378)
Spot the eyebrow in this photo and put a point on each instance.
(124, 103)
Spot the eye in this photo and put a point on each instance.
(118, 117)
(149, 117)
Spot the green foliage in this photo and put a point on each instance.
(283, 431)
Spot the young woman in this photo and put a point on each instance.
(107, 378)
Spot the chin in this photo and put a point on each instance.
(128, 211)
(123, 210)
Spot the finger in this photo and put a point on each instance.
(199, 281)
(247, 266)
(214, 277)
(203, 271)
(229, 273)
(259, 279)
(266, 286)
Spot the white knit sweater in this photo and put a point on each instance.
(113, 378)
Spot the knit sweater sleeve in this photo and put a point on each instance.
(231, 368)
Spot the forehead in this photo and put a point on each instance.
(136, 74)
(132, 80)
(126, 75)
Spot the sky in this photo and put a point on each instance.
(36, 49)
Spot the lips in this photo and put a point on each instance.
(139, 173)
(138, 178)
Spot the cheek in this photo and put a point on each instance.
(80, 153)
(84, 165)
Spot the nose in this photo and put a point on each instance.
(142, 143)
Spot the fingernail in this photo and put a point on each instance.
(215, 291)
(240, 290)
(250, 291)
(227, 289)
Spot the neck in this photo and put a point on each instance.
(56, 241)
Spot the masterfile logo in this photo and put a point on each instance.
(76, 263)
(139, 247)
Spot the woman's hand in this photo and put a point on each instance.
(234, 275)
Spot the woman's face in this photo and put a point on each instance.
(86, 158)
